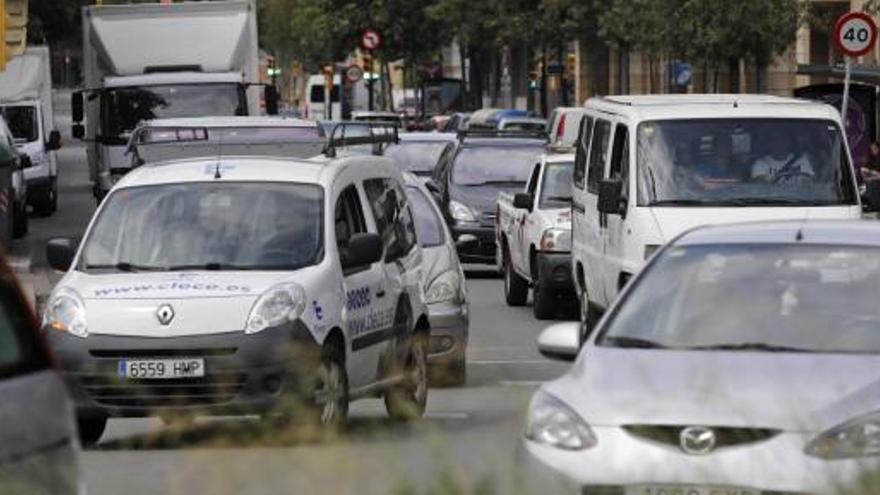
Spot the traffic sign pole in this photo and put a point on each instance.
(845, 103)
(370, 79)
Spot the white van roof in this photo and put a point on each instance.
(690, 106)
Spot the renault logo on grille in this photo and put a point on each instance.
(697, 440)
(165, 314)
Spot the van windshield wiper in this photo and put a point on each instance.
(125, 266)
(775, 201)
(677, 202)
(749, 346)
(216, 266)
(631, 342)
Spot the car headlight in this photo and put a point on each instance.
(556, 240)
(66, 312)
(281, 303)
(461, 212)
(445, 287)
(650, 249)
(859, 437)
(551, 422)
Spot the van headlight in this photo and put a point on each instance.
(461, 212)
(551, 422)
(66, 312)
(859, 437)
(445, 287)
(556, 240)
(280, 304)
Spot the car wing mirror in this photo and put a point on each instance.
(60, 253)
(523, 201)
(54, 142)
(560, 341)
(363, 249)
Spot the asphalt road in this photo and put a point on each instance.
(465, 443)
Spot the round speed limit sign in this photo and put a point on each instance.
(855, 34)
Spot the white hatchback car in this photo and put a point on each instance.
(232, 285)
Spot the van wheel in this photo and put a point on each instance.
(407, 400)
(542, 303)
(516, 289)
(330, 393)
(46, 202)
(91, 429)
(20, 220)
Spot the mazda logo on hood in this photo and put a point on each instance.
(697, 440)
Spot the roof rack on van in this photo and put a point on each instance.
(500, 133)
(378, 133)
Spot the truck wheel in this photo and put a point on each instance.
(543, 303)
(45, 203)
(91, 429)
(516, 290)
(19, 220)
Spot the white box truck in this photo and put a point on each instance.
(26, 104)
(148, 61)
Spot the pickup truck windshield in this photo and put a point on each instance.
(818, 298)
(22, 121)
(124, 108)
(732, 162)
(556, 186)
(211, 226)
(494, 164)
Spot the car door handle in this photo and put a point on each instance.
(380, 294)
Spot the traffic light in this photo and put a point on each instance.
(367, 61)
(534, 80)
(13, 29)
(272, 70)
(571, 65)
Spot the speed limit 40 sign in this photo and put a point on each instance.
(855, 34)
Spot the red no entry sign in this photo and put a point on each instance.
(855, 34)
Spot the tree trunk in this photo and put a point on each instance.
(387, 87)
(544, 82)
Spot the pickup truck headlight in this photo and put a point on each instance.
(859, 437)
(556, 240)
(461, 212)
(66, 312)
(551, 422)
(445, 287)
(281, 303)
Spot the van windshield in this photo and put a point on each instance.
(207, 225)
(732, 162)
(22, 121)
(124, 108)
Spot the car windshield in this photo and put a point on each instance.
(724, 162)
(126, 107)
(556, 186)
(482, 165)
(240, 226)
(818, 298)
(418, 157)
(22, 121)
(429, 227)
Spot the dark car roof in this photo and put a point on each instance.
(814, 232)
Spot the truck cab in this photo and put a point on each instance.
(533, 235)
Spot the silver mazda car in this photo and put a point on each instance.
(742, 360)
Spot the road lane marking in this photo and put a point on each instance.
(521, 383)
(539, 361)
(447, 415)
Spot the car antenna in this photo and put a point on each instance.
(219, 156)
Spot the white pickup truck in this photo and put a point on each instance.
(533, 234)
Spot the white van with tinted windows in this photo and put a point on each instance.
(648, 168)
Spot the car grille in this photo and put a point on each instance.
(725, 436)
(113, 391)
(621, 490)
(162, 353)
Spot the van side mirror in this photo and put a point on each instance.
(76, 104)
(523, 201)
(560, 341)
(271, 97)
(611, 197)
(54, 142)
(60, 253)
(871, 198)
(78, 131)
(24, 161)
(362, 250)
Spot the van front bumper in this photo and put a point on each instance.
(244, 373)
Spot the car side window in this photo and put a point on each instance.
(598, 154)
(348, 217)
(583, 146)
(620, 157)
(393, 217)
(533, 180)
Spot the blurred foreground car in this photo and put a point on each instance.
(39, 450)
(744, 359)
(445, 288)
